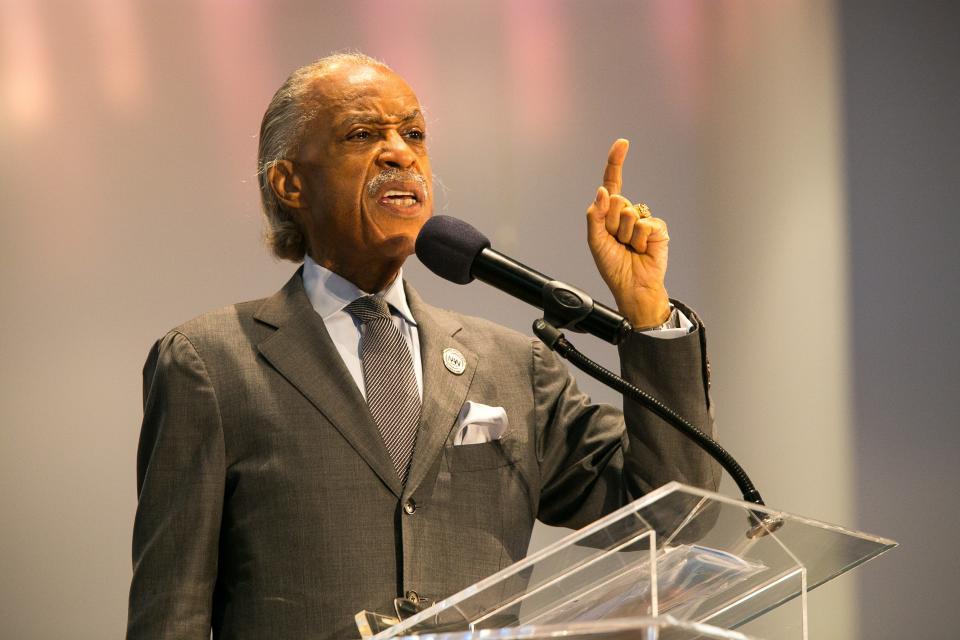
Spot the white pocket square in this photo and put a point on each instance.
(479, 423)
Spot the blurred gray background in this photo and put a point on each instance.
(804, 153)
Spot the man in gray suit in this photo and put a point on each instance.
(269, 504)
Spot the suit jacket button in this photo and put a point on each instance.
(409, 506)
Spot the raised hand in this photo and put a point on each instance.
(629, 247)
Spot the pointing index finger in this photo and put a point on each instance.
(613, 174)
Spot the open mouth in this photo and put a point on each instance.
(400, 191)
(399, 198)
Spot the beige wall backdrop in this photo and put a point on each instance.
(128, 204)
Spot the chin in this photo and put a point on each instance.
(400, 246)
(395, 236)
(403, 231)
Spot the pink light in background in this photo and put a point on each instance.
(406, 48)
(118, 42)
(679, 30)
(734, 32)
(233, 36)
(535, 32)
(25, 81)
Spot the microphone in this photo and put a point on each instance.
(456, 251)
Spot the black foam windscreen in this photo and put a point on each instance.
(448, 246)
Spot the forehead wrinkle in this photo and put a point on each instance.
(372, 118)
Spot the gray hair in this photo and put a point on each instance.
(282, 130)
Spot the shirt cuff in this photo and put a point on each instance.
(677, 325)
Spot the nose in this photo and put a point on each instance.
(396, 153)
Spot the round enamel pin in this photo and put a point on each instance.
(454, 361)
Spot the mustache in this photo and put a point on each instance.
(396, 175)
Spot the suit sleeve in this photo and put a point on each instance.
(594, 458)
(180, 484)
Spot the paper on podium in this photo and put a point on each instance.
(696, 556)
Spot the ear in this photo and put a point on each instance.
(287, 184)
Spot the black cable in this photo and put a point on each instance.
(556, 341)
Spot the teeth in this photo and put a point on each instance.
(392, 194)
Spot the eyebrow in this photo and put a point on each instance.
(375, 119)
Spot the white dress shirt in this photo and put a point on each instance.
(330, 293)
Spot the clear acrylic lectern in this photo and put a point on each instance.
(678, 563)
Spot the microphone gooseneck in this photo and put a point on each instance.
(557, 342)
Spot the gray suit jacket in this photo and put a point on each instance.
(268, 506)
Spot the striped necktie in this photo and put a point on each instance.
(390, 380)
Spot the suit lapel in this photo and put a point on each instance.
(443, 391)
(302, 351)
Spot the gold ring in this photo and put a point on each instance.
(643, 210)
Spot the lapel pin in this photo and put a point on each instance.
(454, 361)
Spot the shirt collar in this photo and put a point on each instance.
(330, 292)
